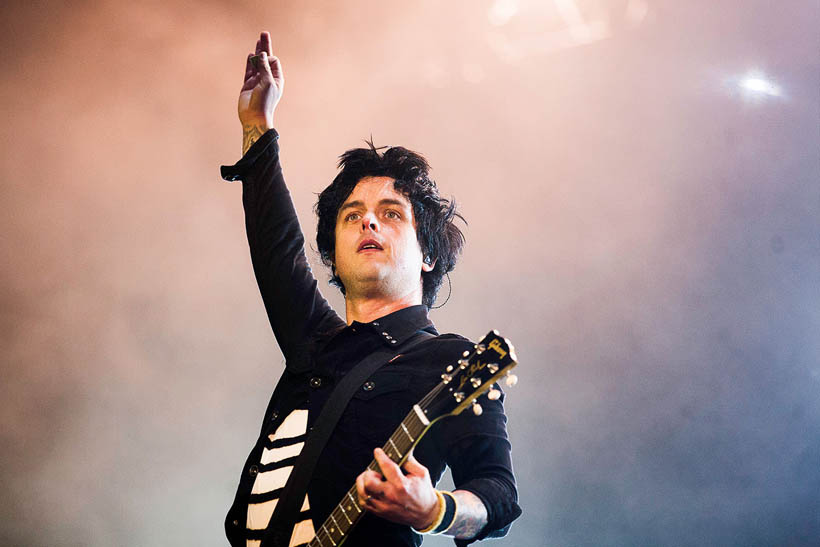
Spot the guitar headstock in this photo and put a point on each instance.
(475, 373)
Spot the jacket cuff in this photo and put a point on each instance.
(238, 170)
(501, 504)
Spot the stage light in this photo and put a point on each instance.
(759, 85)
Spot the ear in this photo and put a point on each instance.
(428, 264)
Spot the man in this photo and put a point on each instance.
(389, 239)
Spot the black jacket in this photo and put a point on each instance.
(319, 348)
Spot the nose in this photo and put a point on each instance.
(369, 221)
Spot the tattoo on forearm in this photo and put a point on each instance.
(250, 134)
(471, 516)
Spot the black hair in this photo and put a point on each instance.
(438, 236)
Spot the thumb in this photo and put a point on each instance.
(413, 467)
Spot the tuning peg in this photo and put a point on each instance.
(475, 381)
(458, 396)
(493, 395)
(492, 367)
(477, 410)
(512, 379)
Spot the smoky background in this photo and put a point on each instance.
(641, 182)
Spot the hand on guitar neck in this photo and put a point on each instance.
(411, 499)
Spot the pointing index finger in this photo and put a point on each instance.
(388, 467)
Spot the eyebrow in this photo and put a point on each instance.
(359, 203)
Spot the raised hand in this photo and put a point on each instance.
(261, 91)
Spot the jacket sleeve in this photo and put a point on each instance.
(293, 302)
(478, 453)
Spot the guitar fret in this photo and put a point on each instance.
(349, 522)
(340, 512)
(398, 452)
(318, 539)
(355, 504)
(404, 428)
(328, 535)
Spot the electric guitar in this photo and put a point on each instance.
(460, 386)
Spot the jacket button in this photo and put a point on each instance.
(315, 382)
(368, 386)
(253, 470)
(274, 415)
(235, 522)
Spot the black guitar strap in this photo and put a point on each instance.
(293, 494)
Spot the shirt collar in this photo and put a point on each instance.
(395, 328)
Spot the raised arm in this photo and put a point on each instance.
(261, 91)
(295, 307)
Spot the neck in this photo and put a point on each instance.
(365, 310)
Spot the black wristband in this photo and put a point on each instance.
(450, 509)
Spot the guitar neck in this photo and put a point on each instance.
(348, 512)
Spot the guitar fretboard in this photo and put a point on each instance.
(348, 511)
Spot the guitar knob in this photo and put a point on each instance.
(512, 379)
(493, 395)
(477, 410)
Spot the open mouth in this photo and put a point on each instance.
(369, 245)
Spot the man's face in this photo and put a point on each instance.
(377, 252)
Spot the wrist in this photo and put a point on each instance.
(446, 515)
(252, 133)
(434, 516)
(262, 124)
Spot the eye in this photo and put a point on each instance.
(352, 217)
(391, 214)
